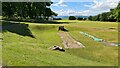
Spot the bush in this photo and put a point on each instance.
(72, 18)
(85, 19)
(90, 18)
(79, 18)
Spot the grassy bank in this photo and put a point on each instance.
(22, 49)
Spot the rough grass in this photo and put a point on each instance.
(19, 50)
(95, 51)
(0, 49)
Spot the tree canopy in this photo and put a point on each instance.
(27, 10)
(72, 18)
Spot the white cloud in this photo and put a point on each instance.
(61, 10)
(88, 5)
(104, 5)
(69, 12)
(113, 1)
(97, 4)
(85, 0)
(60, 3)
(84, 13)
(101, 6)
(96, 8)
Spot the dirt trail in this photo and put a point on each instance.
(68, 41)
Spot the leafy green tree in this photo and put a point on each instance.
(90, 18)
(27, 10)
(79, 18)
(7, 9)
(72, 18)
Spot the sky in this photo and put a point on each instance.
(82, 7)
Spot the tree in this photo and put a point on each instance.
(90, 18)
(27, 10)
(79, 18)
(72, 18)
(84, 18)
(117, 10)
(7, 9)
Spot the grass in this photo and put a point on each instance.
(0, 17)
(0, 43)
(23, 50)
(0, 49)
(95, 50)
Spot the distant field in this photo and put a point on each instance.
(0, 17)
(27, 45)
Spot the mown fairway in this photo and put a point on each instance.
(27, 45)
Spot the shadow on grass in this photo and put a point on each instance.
(55, 22)
(52, 22)
(65, 30)
(37, 21)
(18, 28)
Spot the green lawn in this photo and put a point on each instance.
(22, 49)
(0, 17)
(0, 49)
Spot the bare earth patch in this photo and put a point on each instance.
(68, 41)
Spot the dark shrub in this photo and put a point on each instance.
(84, 18)
(72, 18)
(90, 18)
(79, 18)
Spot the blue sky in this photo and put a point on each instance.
(82, 7)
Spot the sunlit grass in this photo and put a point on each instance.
(23, 50)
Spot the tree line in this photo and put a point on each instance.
(27, 10)
(112, 16)
(72, 18)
